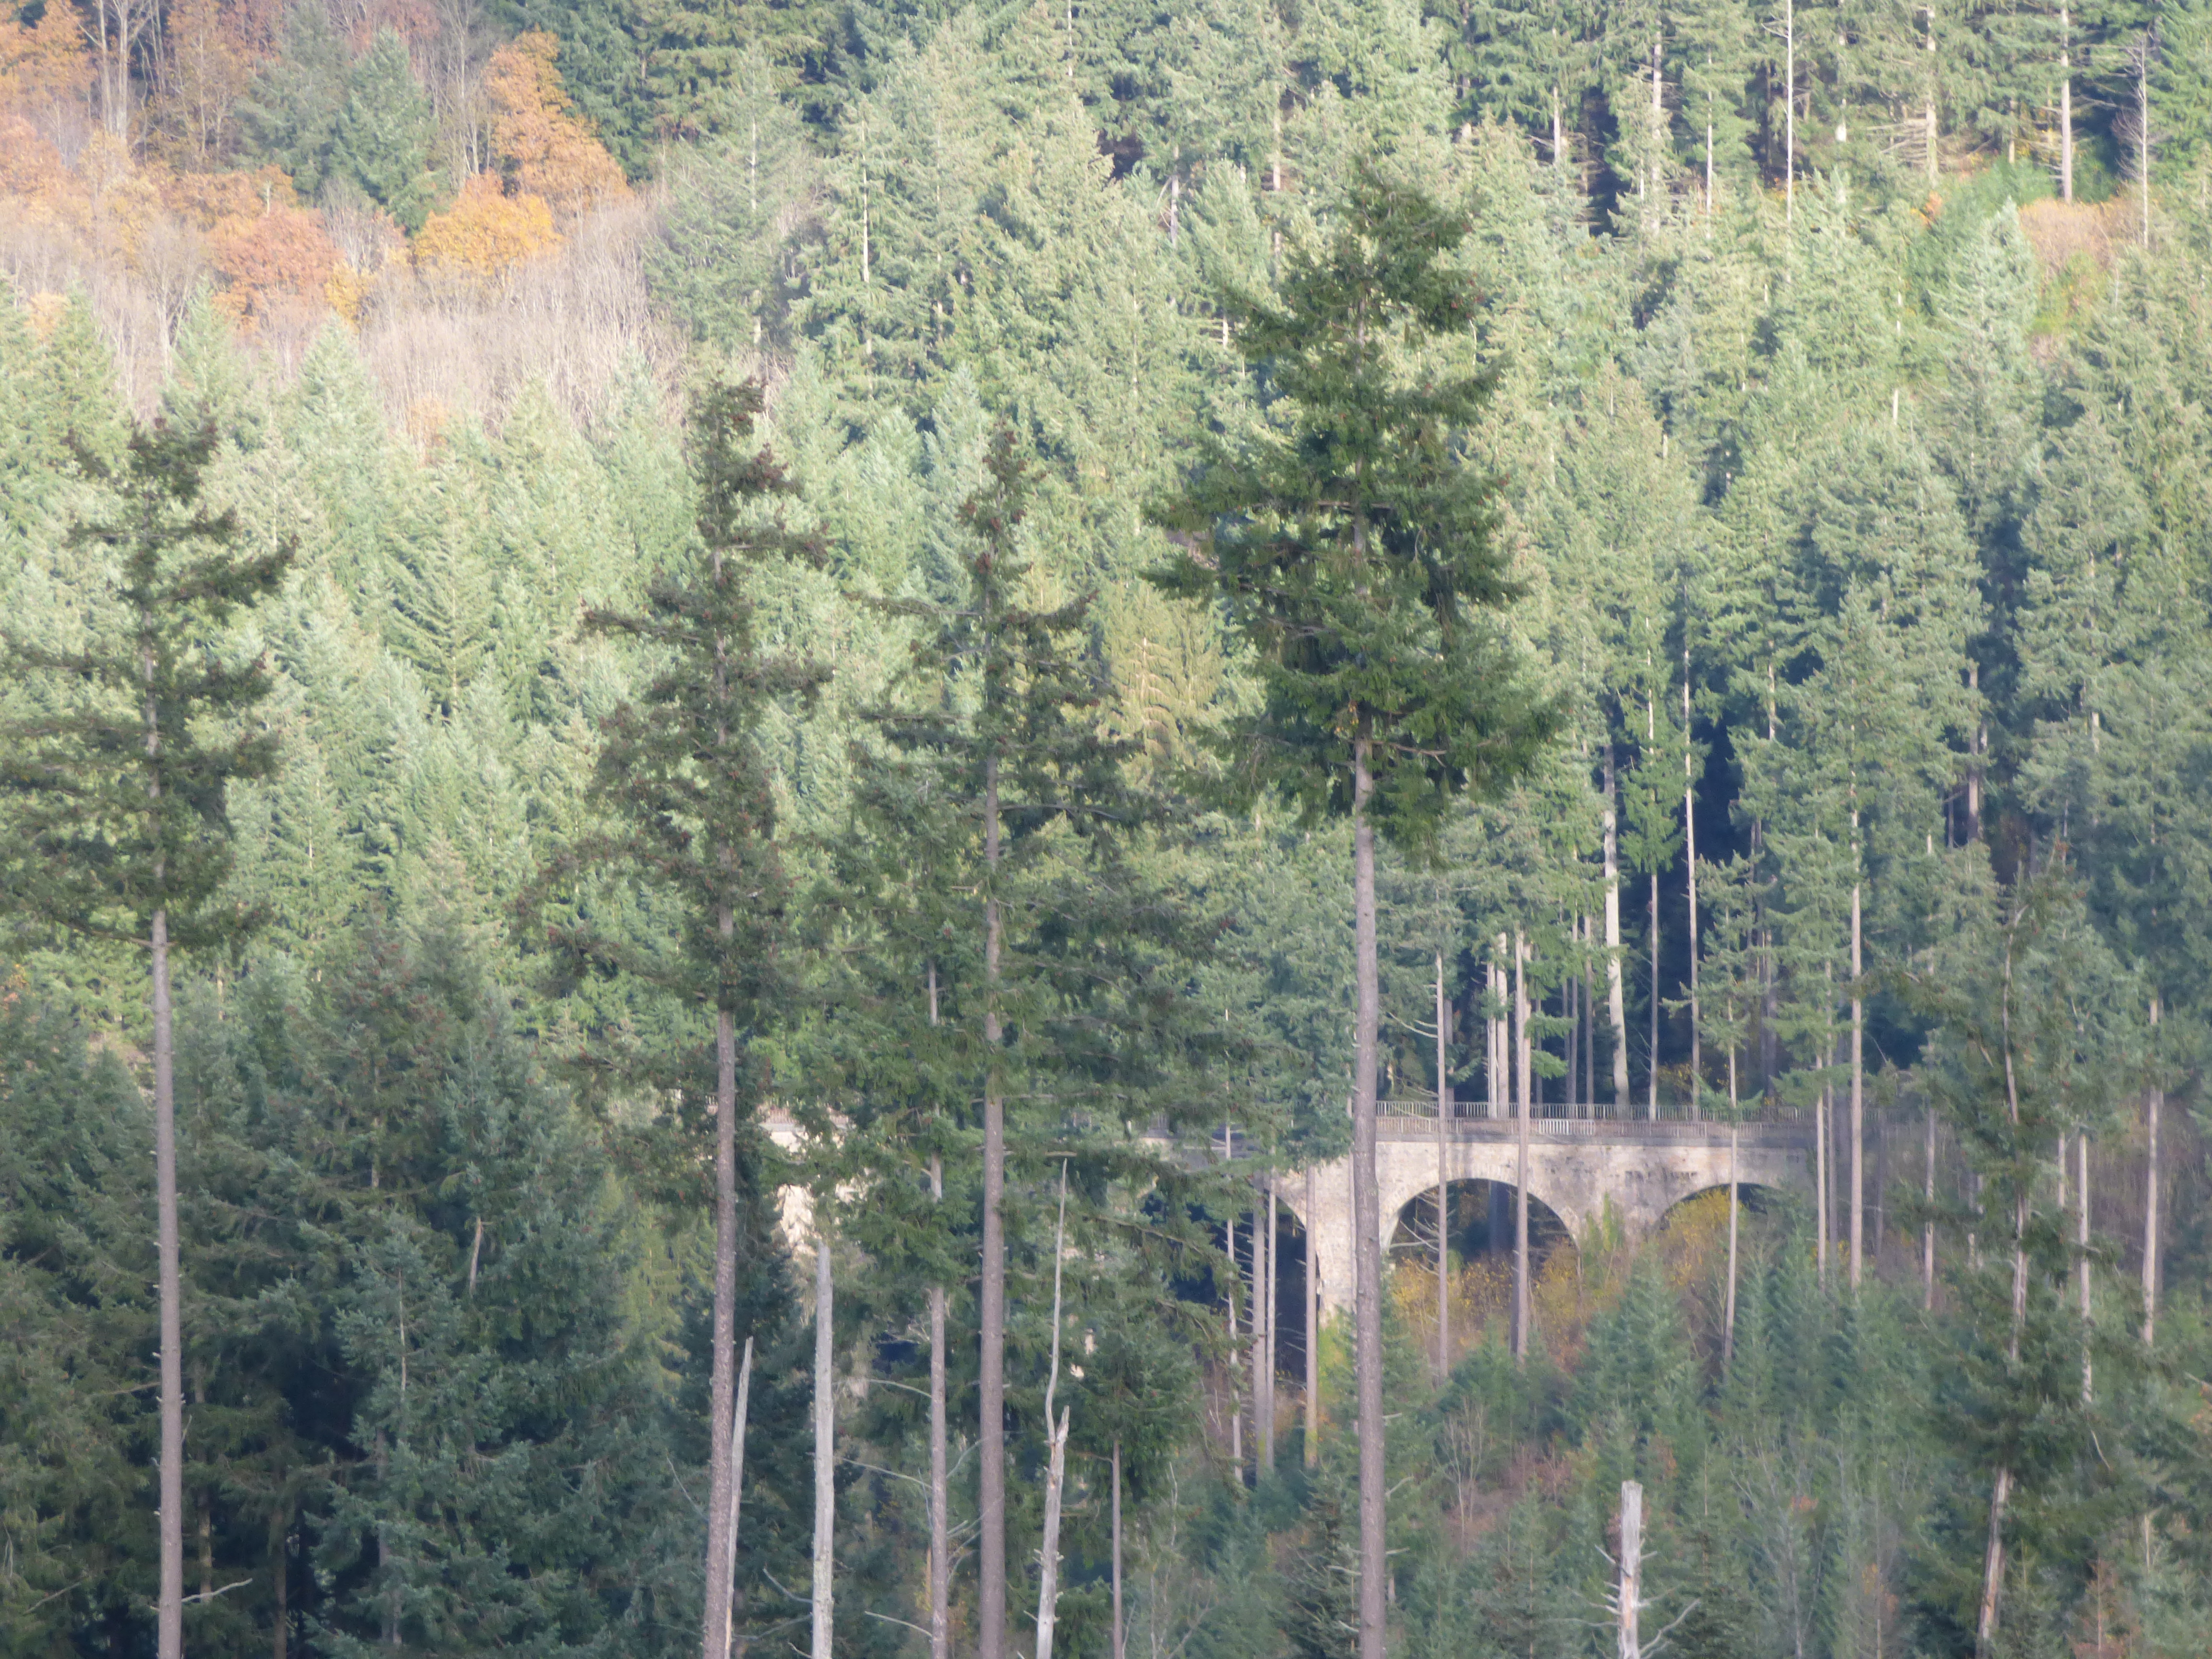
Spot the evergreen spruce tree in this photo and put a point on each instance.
(117, 788)
(293, 109)
(682, 775)
(1352, 552)
(1009, 944)
(384, 134)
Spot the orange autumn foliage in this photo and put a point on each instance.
(43, 66)
(222, 201)
(32, 171)
(277, 264)
(543, 148)
(485, 234)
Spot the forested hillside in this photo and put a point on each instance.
(671, 667)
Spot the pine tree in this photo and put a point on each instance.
(293, 110)
(728, 262)
(384, 133)
(117, 796)
(1068, 988)
(681, 771)
(1354, 555)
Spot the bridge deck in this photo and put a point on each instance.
(1585, 1130)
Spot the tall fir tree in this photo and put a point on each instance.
(1352, 552)
(116, 787)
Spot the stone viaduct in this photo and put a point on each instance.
(1577, 1167)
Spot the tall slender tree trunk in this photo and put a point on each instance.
(1367, 1240)
(722, 1387)
(1313, 1328)
(1630, 1601)
(824, 1590)
(1263, 1333)
(1728, 1319)
(1822, 1227)
(1651, 1077)
(2153, 1100)
(1120, 1647)
(1520, 1067)
(1444, 1183)
(737, 1475)
(991, 1544)
(1993, 1558)
(1929, 114)
(1615, 1002)
(2065, 104)
(2081, 1263)
(1928, 1224)
(1974, 764)
(1590, 1023)
(1651, 1074)
(1658, 118)
(1858, 1071)
(1500, 1074)
(1790, 112)
(1690, 866)
(170, 1613)
(1056, 1437)
(941, 1523)
(940, 1530)
(1275, 1311)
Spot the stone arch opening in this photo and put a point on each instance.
(1478, 1220)
(1757, 1200)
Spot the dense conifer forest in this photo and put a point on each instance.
(731, 734)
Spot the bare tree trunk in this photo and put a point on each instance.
(1367, 1241)
(1235, 1382)
(1590, 1021)
(1735, 1132)
(1443, 1184)
(1313, 1327)
(1790, 112)
(716, 1637)
(2065, 104)
(737, 1477)
(1993, 1559)
(1263, 1397)
(1821, 1178)
(940, 1496)
(1056, 1468)
(170, 1613)
(1615, 1002)
(1651, 1077)
(2082, 1265)
(1927, 1226)
(991, 1565)
(940, 1530)
(1658, 118)
(1521, 1058)
(1121, 1649)
(1858, 1074)
(824, 1590)
(1974, 767)
(1690, 864)
(1631, 1604)
(2153, 1100)
(1929, 114)
(1500, 1079)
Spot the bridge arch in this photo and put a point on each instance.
(1757, 1199)
(1480, 1221)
